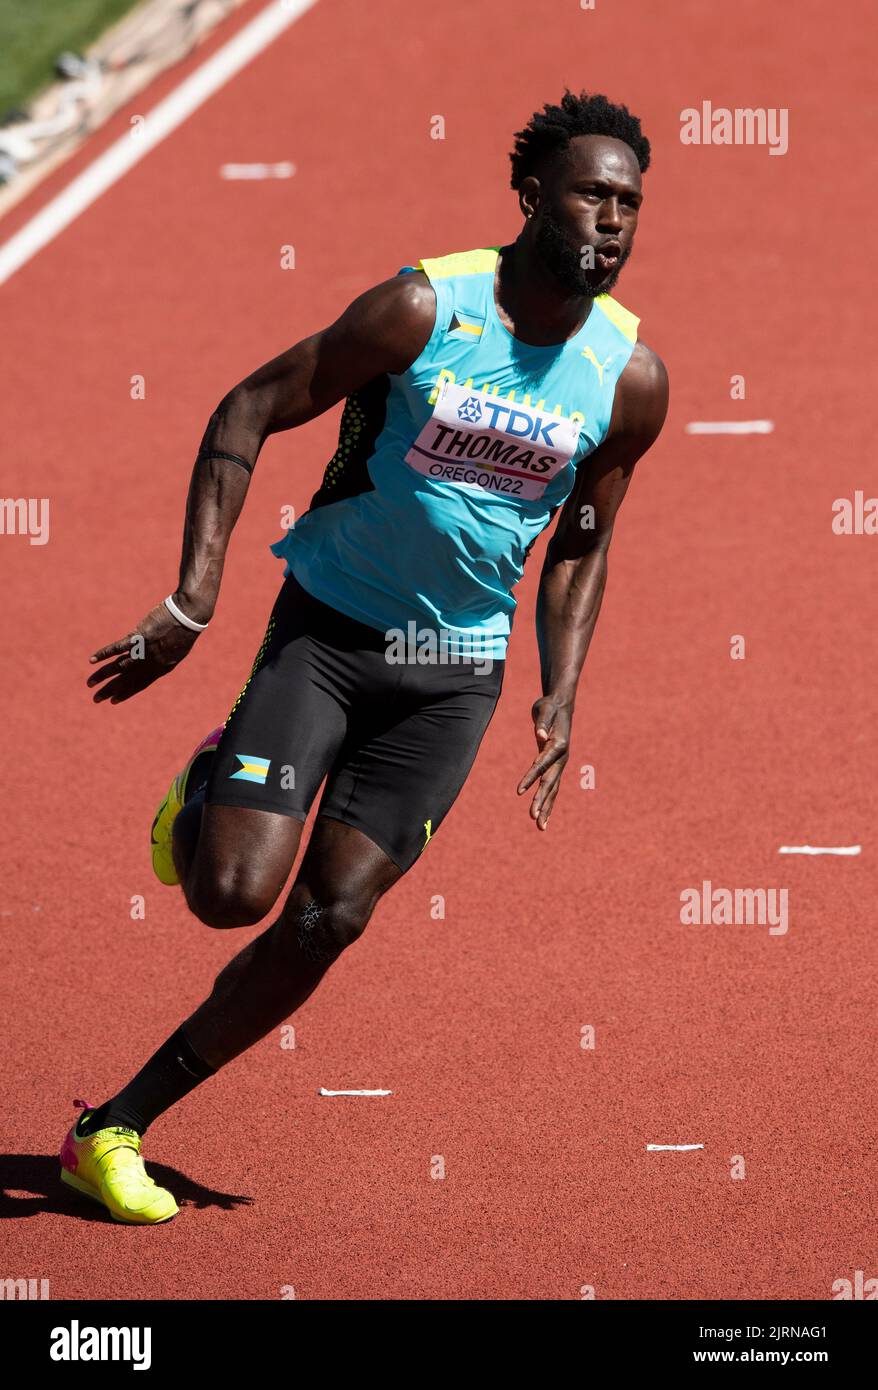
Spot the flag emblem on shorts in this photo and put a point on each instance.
(251, 769)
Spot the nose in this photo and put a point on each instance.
(610, 216)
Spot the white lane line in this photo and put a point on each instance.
(730, 427)
(130, 148)
(324, 1092)
(677, 1148)
(819, 849)
(284, 170)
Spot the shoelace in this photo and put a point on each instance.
(127, 1172)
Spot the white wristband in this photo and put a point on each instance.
(177, 613)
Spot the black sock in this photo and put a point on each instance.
(174, 1071)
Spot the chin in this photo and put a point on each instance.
(603, 286)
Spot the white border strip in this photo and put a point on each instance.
(675, 1148)
(730, 427)
(324, 1092)
(130, 148)
(819, 849)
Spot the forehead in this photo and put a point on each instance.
(599, 157)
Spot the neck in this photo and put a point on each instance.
(530, 301)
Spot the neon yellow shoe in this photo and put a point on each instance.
(163, 826)
(107, 1167)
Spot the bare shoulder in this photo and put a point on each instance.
(409, 296)
(642, 395)
(645, 375)
(414, 287)
(393, 320)
(390, 324)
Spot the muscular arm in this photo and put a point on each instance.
(575, 570)
(384, 330)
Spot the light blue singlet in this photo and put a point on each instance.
(446, 474)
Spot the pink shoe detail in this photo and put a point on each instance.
(68, 1148)
(210, 742)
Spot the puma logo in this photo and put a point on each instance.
(588, 354)
(428, 826)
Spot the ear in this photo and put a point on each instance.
(529, 196)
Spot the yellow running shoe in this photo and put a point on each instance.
(163, 825)
(107, 1167)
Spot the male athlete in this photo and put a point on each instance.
(484, 391)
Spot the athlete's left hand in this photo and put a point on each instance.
(552, 720)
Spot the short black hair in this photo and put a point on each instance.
(550, 131)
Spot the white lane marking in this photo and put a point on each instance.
(677, 1148)
(730, 427)
(130, 148)
(284, 170)
(324, 1092)
(819, 849)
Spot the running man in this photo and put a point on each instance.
(484, 391)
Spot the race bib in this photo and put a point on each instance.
(494, 444)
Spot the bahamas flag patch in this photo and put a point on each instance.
(251, 769)
(466, 325)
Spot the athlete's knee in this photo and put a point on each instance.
(230, 899)
(321, 929)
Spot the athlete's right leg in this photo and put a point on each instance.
(236, 839)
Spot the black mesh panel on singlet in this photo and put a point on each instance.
(362, 421)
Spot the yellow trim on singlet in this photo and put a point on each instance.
(621, 318)
(483, 260)
(460, 263)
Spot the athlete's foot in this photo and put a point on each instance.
(106, 1166)
(163, 825)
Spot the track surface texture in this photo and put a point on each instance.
(755, 1045)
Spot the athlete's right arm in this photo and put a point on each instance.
(383, 331)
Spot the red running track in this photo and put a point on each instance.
(753, 1044)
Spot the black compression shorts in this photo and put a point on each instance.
(394, 740)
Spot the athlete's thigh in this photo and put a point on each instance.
(243, 854)
(342, 863)
(280, 739)
(399, 783)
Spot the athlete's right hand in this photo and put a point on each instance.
(154, 648)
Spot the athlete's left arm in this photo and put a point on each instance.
(575, 570)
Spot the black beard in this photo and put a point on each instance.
(564, 262)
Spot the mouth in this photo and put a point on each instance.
(608, 255)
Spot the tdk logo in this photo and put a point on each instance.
(520, 424)
(470, 410)
(75, 1343)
